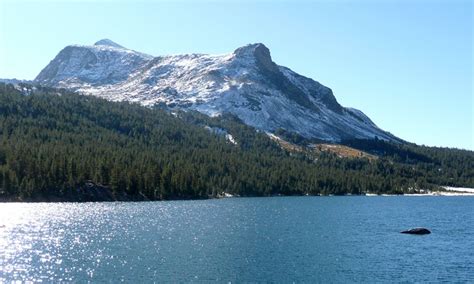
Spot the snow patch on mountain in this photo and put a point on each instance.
(221, 132)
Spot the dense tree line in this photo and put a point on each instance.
(442, 166)
(52, 142)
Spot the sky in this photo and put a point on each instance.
(408, 65)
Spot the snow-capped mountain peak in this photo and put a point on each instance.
(246, 83)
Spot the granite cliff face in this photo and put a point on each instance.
(246, 83)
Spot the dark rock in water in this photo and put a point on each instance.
(417, 231)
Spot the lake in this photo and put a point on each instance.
(277, 239)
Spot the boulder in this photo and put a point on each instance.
(417, 231)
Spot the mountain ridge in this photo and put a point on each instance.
(246, 83)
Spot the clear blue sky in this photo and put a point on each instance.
(407, 64)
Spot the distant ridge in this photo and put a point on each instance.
(108, 42)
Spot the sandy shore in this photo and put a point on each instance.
(449, 191)
(459, 189)
(441, 193)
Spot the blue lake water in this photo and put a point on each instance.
(279, 239)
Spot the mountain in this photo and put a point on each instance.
(246, 83)
(58, 146)
(15, 81)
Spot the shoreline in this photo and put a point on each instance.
(227, 196)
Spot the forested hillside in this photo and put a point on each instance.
(56, 145)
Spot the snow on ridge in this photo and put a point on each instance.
(111, 48)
